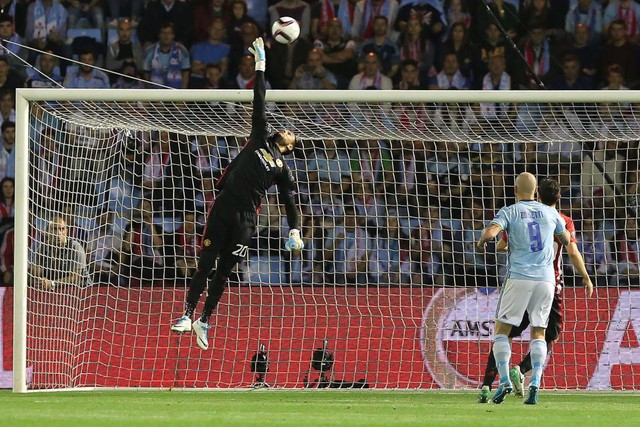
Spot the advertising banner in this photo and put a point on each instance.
(391, 337)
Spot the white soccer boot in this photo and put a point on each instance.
(182, 325)
(201, 329)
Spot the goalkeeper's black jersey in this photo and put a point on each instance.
(257, 167)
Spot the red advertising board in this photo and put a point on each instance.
(393, 337)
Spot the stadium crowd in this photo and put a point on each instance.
(374, 212)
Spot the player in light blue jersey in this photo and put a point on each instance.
(530, 281)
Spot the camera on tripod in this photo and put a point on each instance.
(260, 367)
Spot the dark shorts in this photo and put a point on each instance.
(228, 233)
(554, 327)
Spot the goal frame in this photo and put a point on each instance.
(24, 97)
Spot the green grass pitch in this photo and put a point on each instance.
(312, 408)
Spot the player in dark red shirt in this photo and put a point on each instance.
(232, 220)
(549, 194)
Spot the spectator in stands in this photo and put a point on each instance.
(186, 243)
(211, 51)
(143, 248)
(249, 32)
(87, 76)
(371, 75)
(18, 11)
(347, 250)
(124, 49)
(313, 75)
(385, 49)
(130, 78)
(620, 51)
(595, 190)
(450, 76)
(496, 79)
(409, 75)
(371, 162)
(572, 78)
(323, 11)
(237, 16)
(492, 44)
(104, 245)
(47, 26)
(538, 52)
(168, 172)
(7, 202)
(46, 73)
(11, 42)
(7, 106)
(457, 11)
(329, 163)
(430, 14)
(204, 12)
(505, 13)
(130, 9)
(540, 11)
(160, 12)
(9, 79)
(480, 269)
(296, 9)
(458, 43)
(426, 250)
(390, 262)
(246, 75)
(587, 50)
(326, 202)
(6, 257)
(364, 13)
(214, 78)
(416, 46)
(594, 247)
(627, 252)
(59, 259)
(85, 14)
(489, 166)
(207, 159)
(284, 60)
(615, 78)
(454, 119)
(627, 11)
(7, 150)
(167, 61)
(450, 172)
(339, 54)
(589, 14)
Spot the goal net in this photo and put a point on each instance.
(393, 188)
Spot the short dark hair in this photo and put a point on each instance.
(384, 18)
(7, 124)
(549, 191)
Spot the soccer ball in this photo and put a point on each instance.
(285, 30)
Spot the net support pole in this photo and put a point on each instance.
(21, 233)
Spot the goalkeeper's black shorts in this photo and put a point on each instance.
(228, 233)
(554, 327)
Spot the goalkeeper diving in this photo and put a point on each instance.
(232, 219)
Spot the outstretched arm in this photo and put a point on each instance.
(259, 116)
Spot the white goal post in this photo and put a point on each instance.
(433, 344)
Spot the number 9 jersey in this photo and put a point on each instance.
(531, 227)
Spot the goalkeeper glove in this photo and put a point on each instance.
(258, 52)
(294, 243)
